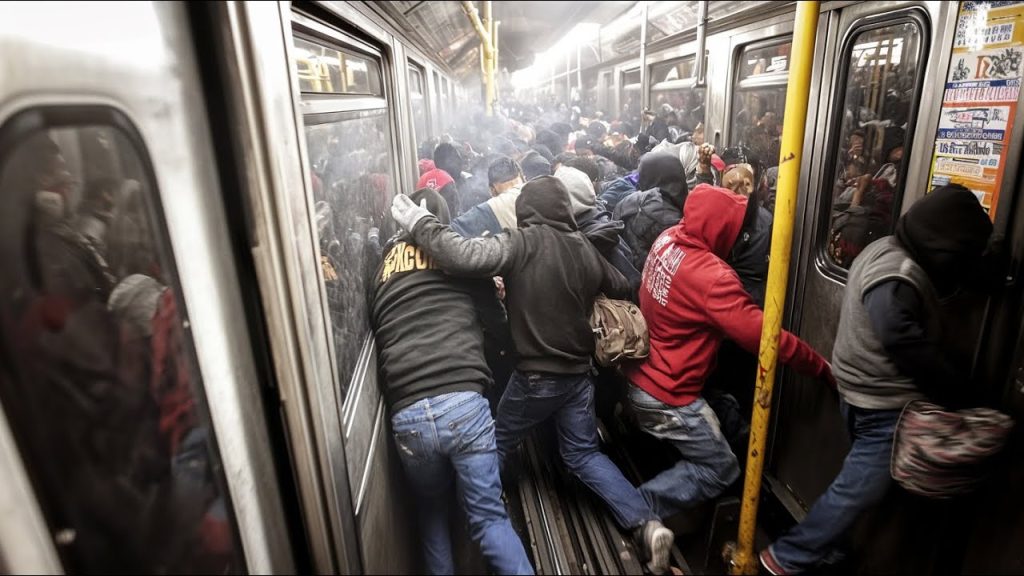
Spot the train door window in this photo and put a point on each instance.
(630, 82)
(446, 98)
(439, 103)
(349, 142)
(674, 95)
(417, 95)
(99, 379)
(880, 81)
(759, 100)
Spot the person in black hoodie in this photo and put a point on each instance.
(658, 206)
(439, 417)
(552, 275)
(888, 353)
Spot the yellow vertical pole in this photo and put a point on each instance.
(484, 31)
(797, 96)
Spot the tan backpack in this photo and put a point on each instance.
(620, 331)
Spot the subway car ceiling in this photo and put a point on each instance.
(202, 394)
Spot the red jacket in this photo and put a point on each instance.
(692, 300)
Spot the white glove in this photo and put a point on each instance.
(407, 213)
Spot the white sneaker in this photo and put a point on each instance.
(658, 540)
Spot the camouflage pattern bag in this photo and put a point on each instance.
(940, 453)
(620, 331)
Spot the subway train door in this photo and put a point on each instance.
(347, 88)
(132, 435)
(874, 118)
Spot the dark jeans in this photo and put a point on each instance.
(708, 465)
(862, 482)
(447, 431)
(532, 398)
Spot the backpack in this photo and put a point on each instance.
(620, 331)
(941, 453)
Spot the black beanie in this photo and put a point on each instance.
(435, 203)
(945, 232)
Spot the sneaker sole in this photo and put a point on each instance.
(661, 544)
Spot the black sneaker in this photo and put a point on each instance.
(657, 544)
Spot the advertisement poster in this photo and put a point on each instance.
(980, 99)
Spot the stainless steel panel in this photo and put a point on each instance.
(139, 58)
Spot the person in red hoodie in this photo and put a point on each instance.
(692, 300)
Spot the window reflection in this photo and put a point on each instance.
(419, 104)
(327, 69)
(352, 187)
(675, 99)
(97, 379)
(867, 182)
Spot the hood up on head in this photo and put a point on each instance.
(544, 200)
(713, 218)
(946, 232)
(664, 171)
(436, 204)
(581, 190)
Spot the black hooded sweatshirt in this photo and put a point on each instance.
(946, 233)
(659, 207)
(552, 275)
(425, 323)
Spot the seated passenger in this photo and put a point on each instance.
(648, 213)
(692, 300)
(499, 213)
(552, 276)
(439, 417)
(887, 354)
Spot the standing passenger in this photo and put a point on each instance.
(692, 300)
(439, 417)
(886, 355)
(552, 276)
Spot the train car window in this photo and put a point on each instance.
(353, 182)
(882, 68)
(630, 96)
(331, 70)
(674, 95)
(759, 101)
(97, 369)
(419, 104)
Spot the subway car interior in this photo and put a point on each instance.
(203, 203)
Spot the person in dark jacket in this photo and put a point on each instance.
(552, 276)
(597, 224)
(613, 192)
(887, 354)
(448, 158)
(534, 165)
(692, 300)
(439, 417)
(649, 213)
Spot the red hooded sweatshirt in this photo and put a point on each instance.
(692, 300)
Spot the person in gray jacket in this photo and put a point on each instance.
(886, 354)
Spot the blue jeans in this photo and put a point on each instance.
(708, 465)
(447, 431)
(532, 398)
(861, 483)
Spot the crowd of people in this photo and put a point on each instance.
(521, 222)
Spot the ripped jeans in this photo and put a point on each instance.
(446, 444)
(708, 465)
